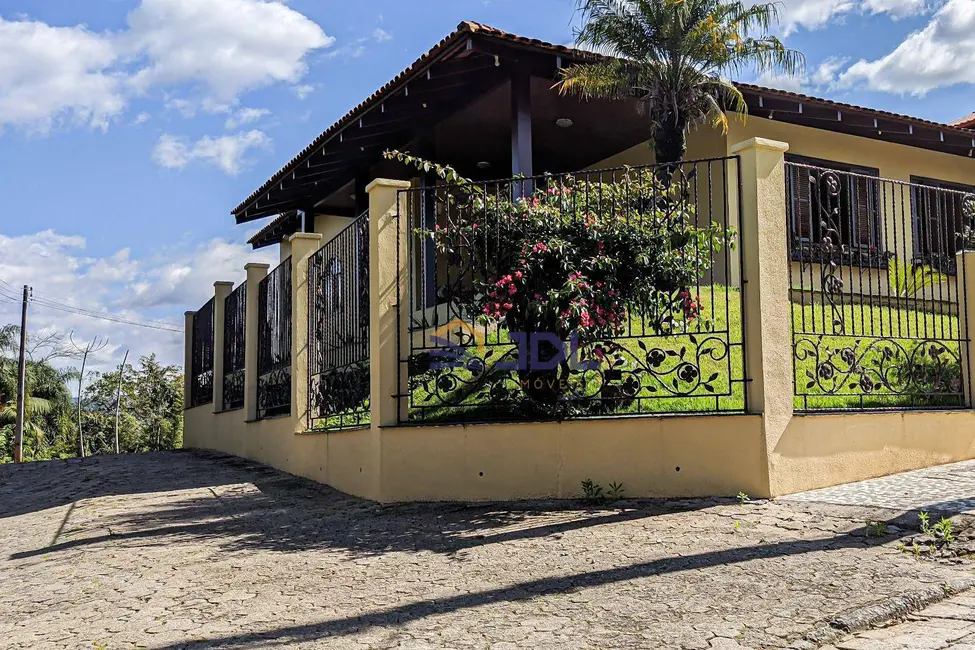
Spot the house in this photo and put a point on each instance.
(825, 346)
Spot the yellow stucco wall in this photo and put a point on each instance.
(717, 455)
(821, 450)
(348, 461)
(894, 161)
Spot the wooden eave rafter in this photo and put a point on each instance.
(436, 82)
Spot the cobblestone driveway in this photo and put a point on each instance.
(182, 550)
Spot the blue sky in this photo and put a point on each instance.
(127, 134)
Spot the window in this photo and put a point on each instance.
(938, 217)
(856, 206)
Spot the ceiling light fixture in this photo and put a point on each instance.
(484, 165)
(564, 122)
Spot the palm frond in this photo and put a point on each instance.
(608, 79)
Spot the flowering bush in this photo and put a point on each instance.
(575, 257)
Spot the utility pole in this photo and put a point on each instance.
(21, 383)
(118, 397)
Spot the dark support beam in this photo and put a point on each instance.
(307, 220)
(521, 127)
(428, 208)
(361, 196)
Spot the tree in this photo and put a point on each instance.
(672, 55)
(150, 413)
(48, 400)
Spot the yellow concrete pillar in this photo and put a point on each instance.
(187, 357)
(966, 321)
(220, 292)
(388, 306)
(767, 305)
(303, 245)
(255, 273)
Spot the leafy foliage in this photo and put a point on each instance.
(675, 57)
(151, 414)
(909, 280)
(48, 402)
(556, 262)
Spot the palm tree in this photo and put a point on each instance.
(672, 56)
(47, 394)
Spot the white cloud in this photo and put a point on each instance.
(303, 90)
(940, 54)
(813, 14)
(380, 35)
(896, 8)
(826, 71)
(226, 152)
(229, 46)
(245, 116)
(158, 289)
(187, 278)
(782, 81)
(206, 53)
(142, 118)
(54, 74)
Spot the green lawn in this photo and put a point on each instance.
(900, 357)
(879, 339)
(690, 359)
(885, 337)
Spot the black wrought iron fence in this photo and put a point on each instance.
(338, 330)
(274, 343)
(201, 385)
(875, 290)
(234, 318)
(603, 293)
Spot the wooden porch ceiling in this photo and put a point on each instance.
(454, 103)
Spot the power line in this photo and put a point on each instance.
(81, 311)
(105, 317)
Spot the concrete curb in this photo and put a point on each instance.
(865, 617)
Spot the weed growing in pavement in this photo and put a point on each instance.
(615, 491)
(939, 536)
(742, 498)
(591, 492)
(876, 529)
(942, 532)
(925, 520)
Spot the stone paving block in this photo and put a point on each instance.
(165, 549)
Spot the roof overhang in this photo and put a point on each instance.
(458, 69)
(466, 64)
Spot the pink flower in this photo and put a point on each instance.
(584, 319)
(519, 274)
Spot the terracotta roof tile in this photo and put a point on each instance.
(469, 27)
(966, 122)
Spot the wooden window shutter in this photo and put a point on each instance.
(864, 212)
(801, 204)
(934, 212)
